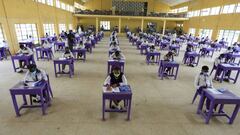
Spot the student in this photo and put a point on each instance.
(115, 79)
(169, 57)
(151, 49)
(46, 44)
(23, 51)
(34, 77)
(114, 47)
(203, 81)
(81, 47)
(68, 55)
(218, 60)
(117, 55)
(192, 59)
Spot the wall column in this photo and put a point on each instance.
(96, 24)
(164, 27)
(119, 25)
(142, 23)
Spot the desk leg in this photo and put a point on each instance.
(201, 102)
(55, 69)
(235, 80)
(15, 105)
(129, 109)
(103, 108)
(198, 60)
(176, 73)
(42, 103)
(223, 74)
(209, 115)
(14, 66)
(235, 112)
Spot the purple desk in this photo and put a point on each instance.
(41, 51)
(187, 59)
(218, 46)
(207, 51)
(76, 51)
(164, 65)
(126, 96)
(20, 89)
(224, 68)
(164, 44)
(112, 63)
(69, 62)
(88, 46)
(59, 46)
(26, 58)
(156, 56)
(233, 56)
(224, 97)
(143, 49)
(175, 47)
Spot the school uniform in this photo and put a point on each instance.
(67, 55)
(203, 81)
(111, 80)
(80, 46)
(120, 57)
(24, 51)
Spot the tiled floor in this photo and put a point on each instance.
(159, 106)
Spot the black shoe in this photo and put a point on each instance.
(20, 71)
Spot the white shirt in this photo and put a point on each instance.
(108, 79)
(218, 61)
(203, 80)
(27, 51)
(35, 77)
(112, 47)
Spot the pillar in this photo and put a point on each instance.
(164, 27)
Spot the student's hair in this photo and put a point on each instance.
(221, 55)
(205, 68)
(31, 66)
(116, 68)
(117, 52)
(21, 46)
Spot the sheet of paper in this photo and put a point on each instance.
(214, 91)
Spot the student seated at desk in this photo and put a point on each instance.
(117, 55)
(220, 60)
(152, 49)
(203, 51)
(34, 77)
(80, 46)
(169, 57)
(114, 47)
(23, 51)
(68, 55)
(203, 81)
(192, 59)
(115, 79)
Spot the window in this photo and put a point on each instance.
(205, 12)
(205, 33)
(190, 14)
(23, 31)
(238, 8)
(215, 11)
(71, 9)
(192, 31)
(105, 25)
(67, 7)
(79, 6)
(62, 27)
(63, 6)
(1, 34)
(182, 9)
(58, 5)
(228, 9)
(42, 1)
(49, 2)
(196, 13)
(48, 28)
(230, 36)
(70, 27)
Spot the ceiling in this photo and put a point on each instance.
(173, 2)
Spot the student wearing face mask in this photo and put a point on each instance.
(203, 81)
(115, 79)
(68, 55)
(34, 77)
